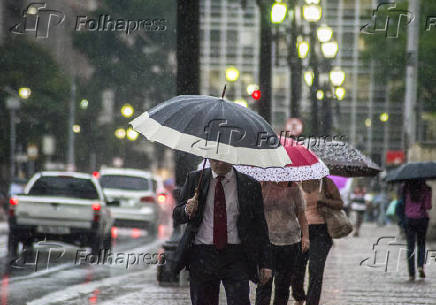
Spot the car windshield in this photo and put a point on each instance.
(64, 186)
(125, 182)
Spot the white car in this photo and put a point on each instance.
(137, 192)
(64, 206)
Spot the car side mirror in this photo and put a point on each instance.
(114, 203)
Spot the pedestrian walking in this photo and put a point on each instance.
(358, 205)
(315, 193)
(417, 198)
(289, 235)
(226, 238)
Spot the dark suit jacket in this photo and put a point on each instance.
(251, 224)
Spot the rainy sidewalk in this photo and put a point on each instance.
(347, 280)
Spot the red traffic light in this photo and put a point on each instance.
(256, 94)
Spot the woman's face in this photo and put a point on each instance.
(310, 186)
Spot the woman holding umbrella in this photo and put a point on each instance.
(284, 213)
(417, 198)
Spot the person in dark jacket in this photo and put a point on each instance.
(226, 237)
(417, 201)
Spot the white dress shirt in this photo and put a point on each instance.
(205, 231)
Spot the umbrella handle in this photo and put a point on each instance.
(197, 189)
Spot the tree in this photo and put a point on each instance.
(390, 57)
(137, 66)
(26, 64)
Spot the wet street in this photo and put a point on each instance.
(352, 276)
(57, 273)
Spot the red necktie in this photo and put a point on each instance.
(219, 216)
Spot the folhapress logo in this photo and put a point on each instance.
(36, 18)
(387, 19)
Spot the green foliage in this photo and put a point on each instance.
(136, 65)
(25, 64)
(390, 56)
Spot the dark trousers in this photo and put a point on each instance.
(320, 244)
(416, 230)
(284, 263)
(209, 267)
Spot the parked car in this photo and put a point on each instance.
(138, 194)
(64, 206)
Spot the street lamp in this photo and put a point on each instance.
(84, 104)
(278, 12)
(312, 12)
(319, 95)
(303, 48)
(340, 93)
(329, 49)
(324, 33)
(384, 117)
(131, 134)
(337, 77)
(76, 128)
(232, 74)
(127, 110)
(241, 102)
(308, 78)
(120, 133)
(251, 88)
(24, 92)
(368, 122)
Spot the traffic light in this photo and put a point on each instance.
(256, 94)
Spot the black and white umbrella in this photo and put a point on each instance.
(212, 127)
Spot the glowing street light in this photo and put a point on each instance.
(308, 78)
(368, 122)
(84, 104)
(131, 134)
(384, 117)
(127, 110)
(329, 49)
(312, 12)
(120, 133)
(312, 1)
(340, 93)
(303, 49)
(251, 88)
(278, 12)
(76, 128)
(24, 92)
(232, 74)
(324, 33)
(241, 102)
(319, 95)
(337, 77)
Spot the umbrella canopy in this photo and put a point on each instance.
(214, 128)
(305, 166)
(412, 171)
(342, 159)
(340, 182)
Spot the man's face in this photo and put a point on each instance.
(219, 167)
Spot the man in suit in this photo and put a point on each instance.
(226, 237)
